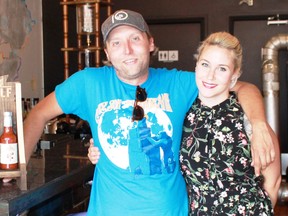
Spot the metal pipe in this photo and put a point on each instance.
(283, 193)
(270, 73)
(271, 87)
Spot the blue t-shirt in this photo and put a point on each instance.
(138, 172)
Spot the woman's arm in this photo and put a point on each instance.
(263, 152)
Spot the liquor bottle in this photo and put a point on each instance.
(8, 145)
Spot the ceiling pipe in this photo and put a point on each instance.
(271, 85)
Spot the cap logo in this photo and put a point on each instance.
(121, 15)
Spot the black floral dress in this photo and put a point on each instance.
(216, 162)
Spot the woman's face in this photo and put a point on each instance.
(214, 72)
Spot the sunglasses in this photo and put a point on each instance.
(138, 112)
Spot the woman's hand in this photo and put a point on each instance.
(93, 152)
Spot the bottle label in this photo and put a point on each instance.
(8, 153)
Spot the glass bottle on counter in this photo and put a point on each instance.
(8, 145)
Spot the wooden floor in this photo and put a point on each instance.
(281, 209)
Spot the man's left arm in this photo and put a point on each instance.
(262, 148)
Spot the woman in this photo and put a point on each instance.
(215, 154)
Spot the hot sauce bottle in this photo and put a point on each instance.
(8, 145)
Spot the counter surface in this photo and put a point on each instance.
(62, 165)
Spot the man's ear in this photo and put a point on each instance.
(107, 55)
(152, 45)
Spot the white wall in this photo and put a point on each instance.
(31, 71)
(21, 45)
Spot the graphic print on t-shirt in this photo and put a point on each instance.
(143, 147)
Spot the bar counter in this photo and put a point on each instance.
(58, 176)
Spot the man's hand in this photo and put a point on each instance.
(262, 148)
(93, 153)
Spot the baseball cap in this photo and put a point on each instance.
(123, 17)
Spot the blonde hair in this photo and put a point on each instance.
(223, 40)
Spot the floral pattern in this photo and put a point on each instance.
(216, 160)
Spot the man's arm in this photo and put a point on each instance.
(263, 152)
(34, 124)
(272, 175)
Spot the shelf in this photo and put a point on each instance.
(88, 23)
(13, 103)
(10, 173)
(75, 2)
(70, 49)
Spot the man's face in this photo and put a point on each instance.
(128, 49)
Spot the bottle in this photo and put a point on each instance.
(8, 145)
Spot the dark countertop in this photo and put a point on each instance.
(49, 173)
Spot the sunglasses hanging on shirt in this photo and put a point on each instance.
(138, 111)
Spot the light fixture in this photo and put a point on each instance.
(278, 21)
(248, 2)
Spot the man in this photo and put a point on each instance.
(134, 112)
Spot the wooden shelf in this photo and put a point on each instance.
(80, 49)
(10, 173)
(12, 101)
(74, 2)
(87, 24)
